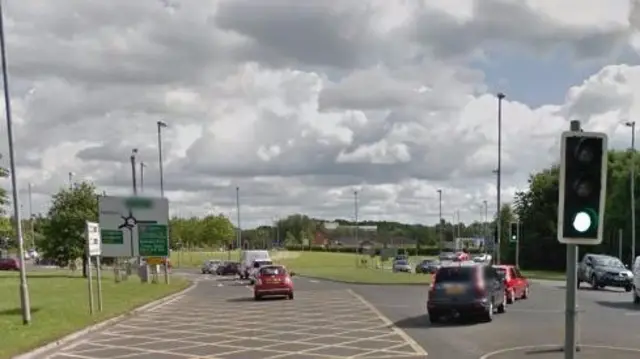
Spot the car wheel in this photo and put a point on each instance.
(594, 282)
(628, 288)
(512, 297)
(502, 307)
(525, 294)
(636, 298)
(433, 317)
(257, 296)
(578, 283)
(487, 316)
(290, 296)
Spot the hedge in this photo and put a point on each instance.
(425, 251)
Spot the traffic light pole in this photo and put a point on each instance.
(571, 312)
(518, 234)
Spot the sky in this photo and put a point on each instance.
(299, 104)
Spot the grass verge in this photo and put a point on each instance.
(60, 306)
(546, 275)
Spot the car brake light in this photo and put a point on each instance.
(258, 281)
(287, 280)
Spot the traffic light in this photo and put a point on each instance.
(582, 187)
(513, 232)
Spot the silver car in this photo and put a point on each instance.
(402, 265)
(210, 266)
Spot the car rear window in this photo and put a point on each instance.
(273, 271)
(502, 272)
(455, 274)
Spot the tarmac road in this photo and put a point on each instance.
(331, 320)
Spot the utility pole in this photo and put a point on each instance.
(486, 218)
(33, 232)
(239, 231)
(71, 180)
(25, 303)
(134, 152)
(632, 174)
(355, 206)
(500, 96)
(161, 125)
(142, 166)
(440, 229)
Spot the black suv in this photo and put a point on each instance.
(601, 271)
(466, 290)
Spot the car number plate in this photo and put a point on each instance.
(455, 290)
(273, 281)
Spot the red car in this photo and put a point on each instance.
(462, 257)
(517, 286)
(273, 280)
(9, 264)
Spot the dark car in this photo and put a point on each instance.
(473, 290)
(447, 256)
(601, 271)
(9, 264)
(228, 268)
(428, 266)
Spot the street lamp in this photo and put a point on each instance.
(239, 231)
(71, 174)
(496, 246)
(440, 219)
(161, 125)
(142, 166)
(134, 152)
(25, 304)
(486, 211)
(632, 124)
(355, 207)
(500, 97)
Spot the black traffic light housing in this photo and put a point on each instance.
(582, 187)
(514, 233)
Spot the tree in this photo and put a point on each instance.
(64, 231)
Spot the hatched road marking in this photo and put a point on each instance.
(229, 324)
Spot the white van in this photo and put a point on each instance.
(247, 258)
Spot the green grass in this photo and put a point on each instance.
(60, 306)
(541, 274)
(335, 266)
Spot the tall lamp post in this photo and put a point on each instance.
(25, 304)
(355, 208)
(632, 124)
(161, 125)
(142, 166)
(440, 219)
(486, 217)
(71, 180)
(239, 231)
(501, 97)
(134, 152)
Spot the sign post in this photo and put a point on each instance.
(93, 249)
(135, 227)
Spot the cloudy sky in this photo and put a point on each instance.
(299, 103)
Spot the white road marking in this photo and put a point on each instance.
(420, 350)
(159, 306)
(313, 281)
(552, 346)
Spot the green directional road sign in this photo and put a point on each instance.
(153, 240)
(110, 236)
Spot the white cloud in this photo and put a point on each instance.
(299, 103)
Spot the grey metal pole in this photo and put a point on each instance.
(355, 199)
(632, 180)
(90, 284)
(239, 232)
(70, 180)
(518, 233)
(620, 244)
(142, 165)
(25, 304)
(161, 125)
(571, 312)
(33, 232)
(500, 96)
(486, 218)
(440, 229)
(133, 171)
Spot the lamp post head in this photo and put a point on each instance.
(631, 124)
(501, 95)
(161, 124)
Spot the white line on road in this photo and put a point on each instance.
(313, 281)
(166, 303)
(419, 350)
